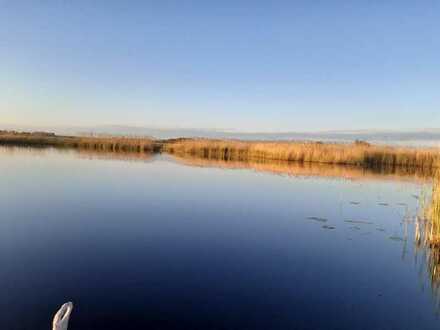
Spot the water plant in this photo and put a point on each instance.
(427, 235)
(358, 154)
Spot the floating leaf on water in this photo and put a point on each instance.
(359, 222)
(317, 219)
(355, 228)
(328, 227)
(397, 238)
(383, 204)
(355, 203)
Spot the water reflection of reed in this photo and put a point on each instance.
(300, 169)
(81, 153)
(109, 155)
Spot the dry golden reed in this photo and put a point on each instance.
(359, 154)
(427, 236)
(110, 143)
(434, 212)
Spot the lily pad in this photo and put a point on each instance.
(361, 222)
(317, 219)
(397, 238)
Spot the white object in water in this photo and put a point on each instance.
(61, 318)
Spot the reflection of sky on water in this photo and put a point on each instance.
(179, 246)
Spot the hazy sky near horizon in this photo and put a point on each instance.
(244, 65)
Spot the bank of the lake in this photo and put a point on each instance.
(358, 153)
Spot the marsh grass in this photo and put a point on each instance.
(357, 154)
(427, 236)
(111, 143)
(433, 214)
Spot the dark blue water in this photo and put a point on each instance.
(154, 244)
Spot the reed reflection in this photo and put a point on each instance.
(303, 169)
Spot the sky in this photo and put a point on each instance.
(236, 65)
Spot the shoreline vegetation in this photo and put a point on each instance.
(358, 153)
(101, 143)
(427, 236)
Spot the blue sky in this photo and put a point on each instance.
(243, 65)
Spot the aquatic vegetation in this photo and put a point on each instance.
(358, 154)
(99, 143)
(427, 235)
(328, 227)
(397, 238)
(362, 222)
(317, 219)
(431, 217)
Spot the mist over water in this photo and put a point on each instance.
(162, 243)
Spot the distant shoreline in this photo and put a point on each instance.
(428, 137)
(357, 153)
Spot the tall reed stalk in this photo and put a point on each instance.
(427, 236)
(359, 154)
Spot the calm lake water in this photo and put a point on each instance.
(157, 243)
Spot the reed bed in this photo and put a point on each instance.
(110, 143)
(432, 235)
(427, 237)
(358, 154)
(115, 144)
